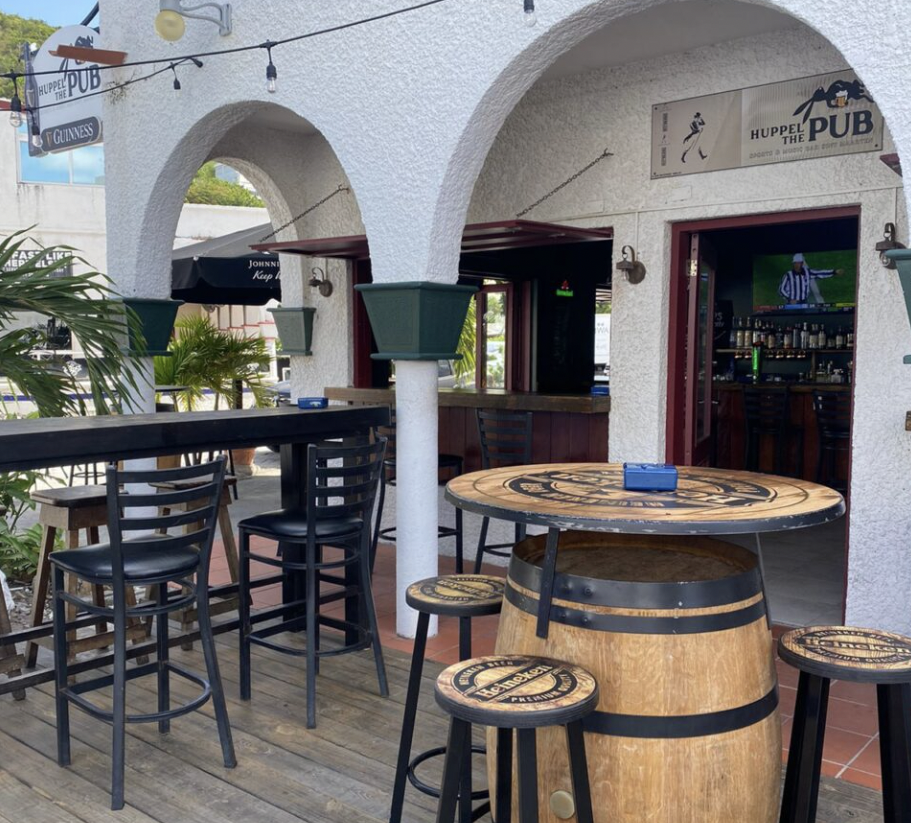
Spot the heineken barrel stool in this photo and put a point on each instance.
(825, 653)
(516, 696)
(674, 630)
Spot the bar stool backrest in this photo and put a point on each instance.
(766, 409)
(389, 433)
(833, 414)
(342, 481)
(200, 497)
(506, 438)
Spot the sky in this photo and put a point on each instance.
(56, 12)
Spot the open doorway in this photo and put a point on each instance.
(760, 374)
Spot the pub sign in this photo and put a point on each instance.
(821, 116)
(68, 100)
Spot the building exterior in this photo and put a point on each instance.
(459, 113)
(60, 200)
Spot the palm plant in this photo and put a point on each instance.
(464, 367)
(205, 357)
(84, 303)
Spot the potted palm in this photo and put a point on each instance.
(87, 305)
(42, 282)
(205, 358)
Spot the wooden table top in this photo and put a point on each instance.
(591, 497)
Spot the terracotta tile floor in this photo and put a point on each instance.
(852, 743)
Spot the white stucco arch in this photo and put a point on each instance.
(560, 33)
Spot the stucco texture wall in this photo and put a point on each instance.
(411, 107)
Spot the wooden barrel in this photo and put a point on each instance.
(675, 631)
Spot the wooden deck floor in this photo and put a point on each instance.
(341, 772)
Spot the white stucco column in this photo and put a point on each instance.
(416, 515)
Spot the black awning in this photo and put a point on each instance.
(226, 271)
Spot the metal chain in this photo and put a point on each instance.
(307, 211)
(605, 154)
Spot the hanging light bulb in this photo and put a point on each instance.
(15, 111)
(176, 80)
(36, 137)
(530, 17)
(271, 73)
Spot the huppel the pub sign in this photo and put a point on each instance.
(66, 102)
(820, 116)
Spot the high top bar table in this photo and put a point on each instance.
(591, 497)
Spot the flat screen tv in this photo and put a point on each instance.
(824, 281)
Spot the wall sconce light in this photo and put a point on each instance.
(630, 266)
(887, 244)
(318, 281)
(170, 25)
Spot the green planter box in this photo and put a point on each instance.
(902, 258)
(156, 319)
(416, 320)
(295, 329)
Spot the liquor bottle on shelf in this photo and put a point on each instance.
(849, 338)
(732, 337)
(840, 338)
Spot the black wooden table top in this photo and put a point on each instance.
(66, 441)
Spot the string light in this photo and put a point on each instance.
(36, 136)
(271, 71)
(15, 108)
(530, 17)
(173, 67)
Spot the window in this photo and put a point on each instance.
(79, 167)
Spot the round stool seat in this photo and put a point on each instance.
(457, 595)
(516, 691)
(847, 653)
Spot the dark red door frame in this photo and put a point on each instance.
(681, 234)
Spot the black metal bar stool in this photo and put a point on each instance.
(767, 411)
(833, 429)
(341, 489)
(455, 595)
(515, 692)
(70, 511)
(826, 653)
(450, 463)
(150, 558)
(506, 439)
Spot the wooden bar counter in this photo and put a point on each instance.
(566, 428)
(730, 429)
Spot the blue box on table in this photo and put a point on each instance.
(649, 477)
(312, 402)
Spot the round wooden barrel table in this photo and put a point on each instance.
(635, 587)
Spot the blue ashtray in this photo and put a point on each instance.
(649, 477)
(312, 402)
(601, 391)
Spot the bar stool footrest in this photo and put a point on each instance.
(434, 791)
(260, 636)
(74, 694)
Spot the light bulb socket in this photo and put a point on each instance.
(176, 84)
(15, 111)
(529, 6)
